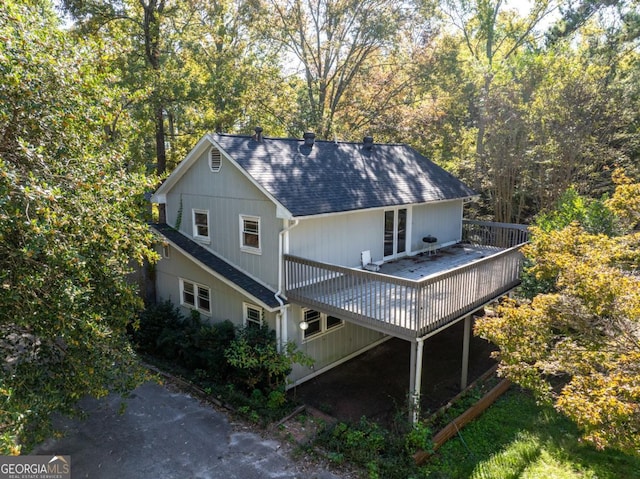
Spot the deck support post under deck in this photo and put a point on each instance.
(466, 338)
(415, 380)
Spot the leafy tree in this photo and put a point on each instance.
(334, 43)
(575, 15)
(550, 118)
(70, 228)
(184, 68)
(492, 36)
(578, 344)
(145, 20)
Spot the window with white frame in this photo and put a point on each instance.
(201, 225)
(252, 315)
(215, 159)
(250, 234)
(195, 296)
(318, 323)
(166, 250)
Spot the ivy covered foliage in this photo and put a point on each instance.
(577, 343)
(70, 229)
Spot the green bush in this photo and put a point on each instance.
(152, 325)
(258, 364)
(245, 360)
(162, 331)
(381, 453)
(209, 347)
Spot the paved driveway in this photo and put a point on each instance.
(166, 434)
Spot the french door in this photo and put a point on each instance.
(395, 233)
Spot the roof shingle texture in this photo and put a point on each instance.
(220, 266)
(332, 177)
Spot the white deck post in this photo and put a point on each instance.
(415, 383)
(466, 337)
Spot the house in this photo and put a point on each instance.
(337, 246)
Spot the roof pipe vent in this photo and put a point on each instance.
(309, 138)
(368, 143)
(258, 134)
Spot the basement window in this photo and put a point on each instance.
(252, 315)
(195, 296)
(318, 324)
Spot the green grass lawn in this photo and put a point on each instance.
(516, 438)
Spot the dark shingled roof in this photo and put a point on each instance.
(331, 177)
(220, 266)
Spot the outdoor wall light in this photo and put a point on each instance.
(304, 325)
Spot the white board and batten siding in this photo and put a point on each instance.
(226, 302)
(226, 195)
(442, 220)
(339, 239)
(329, 348)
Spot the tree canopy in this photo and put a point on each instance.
(70, 227)
(577, 342)
(529, 106)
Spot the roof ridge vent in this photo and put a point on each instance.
(367, 141)
(309, 138)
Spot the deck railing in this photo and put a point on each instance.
(501, 235)
(403, 307)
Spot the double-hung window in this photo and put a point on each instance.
(250, 234)
(252, 315)
(195, 296)
(201, 225)
(318, 323)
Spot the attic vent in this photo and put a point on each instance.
(215, 160)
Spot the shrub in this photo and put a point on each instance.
(209, 347)
(219, 353)
(381, 453)
(162, 331)
(258, 364)
(151, 326)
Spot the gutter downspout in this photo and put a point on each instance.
(281, 317)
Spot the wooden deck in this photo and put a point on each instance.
(424, 265)
(410, 297)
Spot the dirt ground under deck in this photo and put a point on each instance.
(376, 383)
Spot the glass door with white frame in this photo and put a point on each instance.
(395, 233)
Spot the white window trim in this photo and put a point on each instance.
(166, 250)
(215, 168)
(204, 239)
(196, 296)
(243, 247)
(323, 326)
(245, 313)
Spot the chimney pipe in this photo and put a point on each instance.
(309, 138)
(258, 134)
(368, 143)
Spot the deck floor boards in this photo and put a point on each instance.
(424, 265)
(374, 298)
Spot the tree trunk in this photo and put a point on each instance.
(161, 153)
(481, 163)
